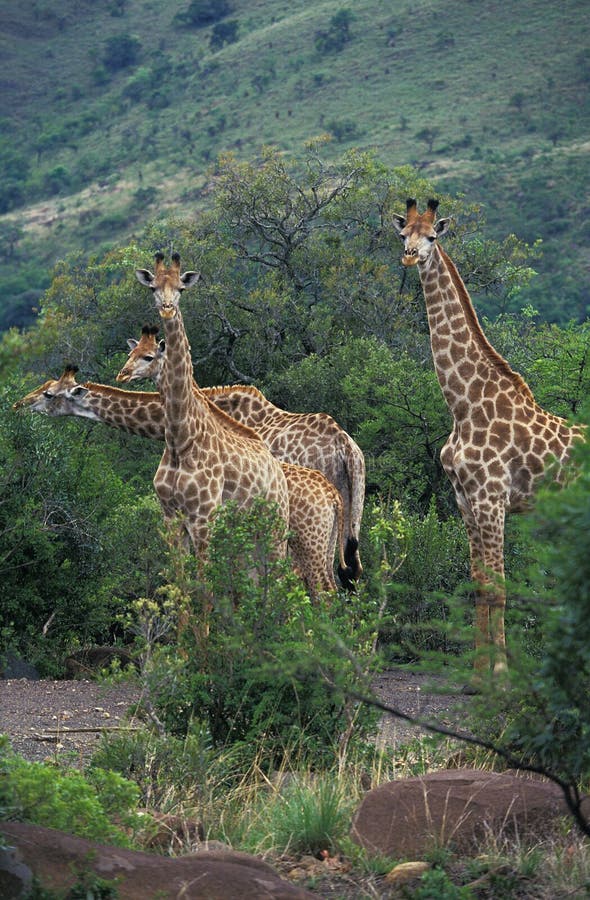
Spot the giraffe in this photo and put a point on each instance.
(204, 464)
(315, 506)
(312, 440)
(501, 441)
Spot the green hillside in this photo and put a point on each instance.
(114, 111)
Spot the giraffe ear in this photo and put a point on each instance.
(78, 392)
(145, 277)
(442, 226)
(190, 278)
(398, 222)
(161, 346)
(132, 343)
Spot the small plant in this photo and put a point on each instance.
(83, 805)
(435, 884)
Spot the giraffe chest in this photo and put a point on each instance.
(186, 487)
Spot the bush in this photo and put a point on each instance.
(421, 599)
(159, 764)
(261, 666)
(86, 806)
(121, 52)
(201, 13)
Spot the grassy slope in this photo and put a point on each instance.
(453, 67)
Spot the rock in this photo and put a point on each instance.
(16, 879)
(406, 872)
(54, 858)
(453, 806)
(15, 667)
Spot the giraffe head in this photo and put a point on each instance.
(51, 397)
(146, 357)
(419, 231)
(167, 284)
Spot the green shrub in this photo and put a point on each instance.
(307, 815)
(158, 764)
(70, 801)
(262, 666)
(121, 51)
(421, 599)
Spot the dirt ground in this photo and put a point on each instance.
(45, 720)
(48, 718)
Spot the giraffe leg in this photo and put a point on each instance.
(489, 574)
(484, 523)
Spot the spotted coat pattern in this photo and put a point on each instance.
(207, 460)
(502, 441)
(315, 506)
(312, 440)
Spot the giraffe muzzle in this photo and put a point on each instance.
(167, 312)
(410, 258)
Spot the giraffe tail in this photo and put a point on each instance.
(355, 475)
(351, 558)
(347, 579)
(347, 567)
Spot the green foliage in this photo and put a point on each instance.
(436, 884)
(159, 764)
(224, 33)
(87, 806)
(553, 727)
(263, 668)
(201, 13)
(121, 52)
(423, 607)
(76, 540)
(337, 35)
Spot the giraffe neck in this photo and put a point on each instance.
(186, 411)
(466, 364)
(136, 412)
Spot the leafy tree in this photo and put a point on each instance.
(10, 234)
(201, 13)
(121, 51)
(428, 135)
(554, 359)
(75, 546)
(338, 33)
(344, 130)
(57, 179)
(224, 33)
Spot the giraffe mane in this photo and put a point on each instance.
(230, 424)
(226, 421)
(228, 388)
(490, 352)
(221, 417)
(107, 390)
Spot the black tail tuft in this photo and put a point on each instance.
(350, 553)
(346, 578)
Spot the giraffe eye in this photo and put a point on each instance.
(148, 358)
(48, 394)
(431, 238)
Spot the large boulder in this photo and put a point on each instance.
(453, 807)
(54, 858)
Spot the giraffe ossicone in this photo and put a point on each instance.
(502, 441)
